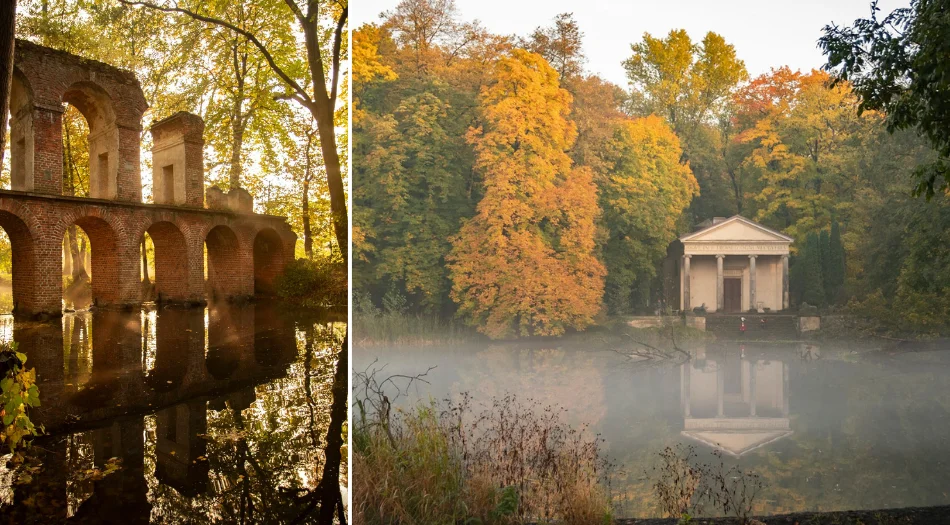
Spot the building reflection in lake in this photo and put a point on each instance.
(734, 403)
(140, 389)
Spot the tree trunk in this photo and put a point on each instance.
(305, 209)
(322, 111)
(78, 255)
(7, 40)
(237, 144)
(144, 263)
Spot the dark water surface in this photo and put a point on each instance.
(177, 415)
(827, 427)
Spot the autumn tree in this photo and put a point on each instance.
(690, 85)
(525, 263)
(561, 45)
(7, 37)
(644, 192)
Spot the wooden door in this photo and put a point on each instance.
(732, 291)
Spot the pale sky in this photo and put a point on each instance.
(766, 34)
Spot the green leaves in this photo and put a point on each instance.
(18, 393)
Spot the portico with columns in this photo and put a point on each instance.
(734, 265)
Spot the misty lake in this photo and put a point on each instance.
(827, 426)
(174, 415)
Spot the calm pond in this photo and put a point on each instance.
(178, 415)
(830, 427)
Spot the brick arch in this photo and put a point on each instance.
(171, 261)
(269, 260)
(23, 254)
(109, 246)
(224, 263)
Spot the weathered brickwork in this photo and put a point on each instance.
(241, 245)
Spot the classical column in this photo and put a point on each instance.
(719, 283)
(686, 302)
(752, 304)
(752, 388)
(785, 282)
(720, 385)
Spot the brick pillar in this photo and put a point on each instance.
(128, 174)
(48, 150)
(178, 160)
(47, 272)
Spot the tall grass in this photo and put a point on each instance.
(407, 329)
(509, 462)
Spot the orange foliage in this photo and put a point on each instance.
(525, 264)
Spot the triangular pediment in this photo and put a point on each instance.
(736, 229)
(736, 442)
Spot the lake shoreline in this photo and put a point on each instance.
(915, 515)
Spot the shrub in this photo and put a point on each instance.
(314, 284)
(18, 393)
(510, 462)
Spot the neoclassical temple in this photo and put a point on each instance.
(732, 265)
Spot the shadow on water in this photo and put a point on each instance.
(228, 414)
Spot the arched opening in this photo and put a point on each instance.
(93, 273)
(90, 143)
(18, 163)
(168, 263)
(268, 261)
(16, 265)
(223, 264)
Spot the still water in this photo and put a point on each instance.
(827, 427)
(178, 415)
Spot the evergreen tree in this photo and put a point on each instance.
(813, 291)
(824, 255)
(836, 269)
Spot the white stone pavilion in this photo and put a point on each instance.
(734, 265)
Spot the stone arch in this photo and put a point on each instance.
(23, 261)
(21, 133)
(224, 263)
(171, 261)
(107, 237)
(97, 107)
(269, 261)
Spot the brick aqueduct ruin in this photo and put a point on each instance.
(245, 251)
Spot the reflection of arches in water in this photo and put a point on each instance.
(268, 261)
(124, 492)
(179, 339)
(171, 261)
(735, 406)
(228, 331)
(116, 358)
(223, 263)
(178, 447)
(274, 342)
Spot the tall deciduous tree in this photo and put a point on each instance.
(525, 263)
(643, 193)
(314, 84)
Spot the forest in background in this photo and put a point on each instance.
(259, 133)
(496, 180)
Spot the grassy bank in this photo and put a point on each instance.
(394, 329)
(510, 462)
